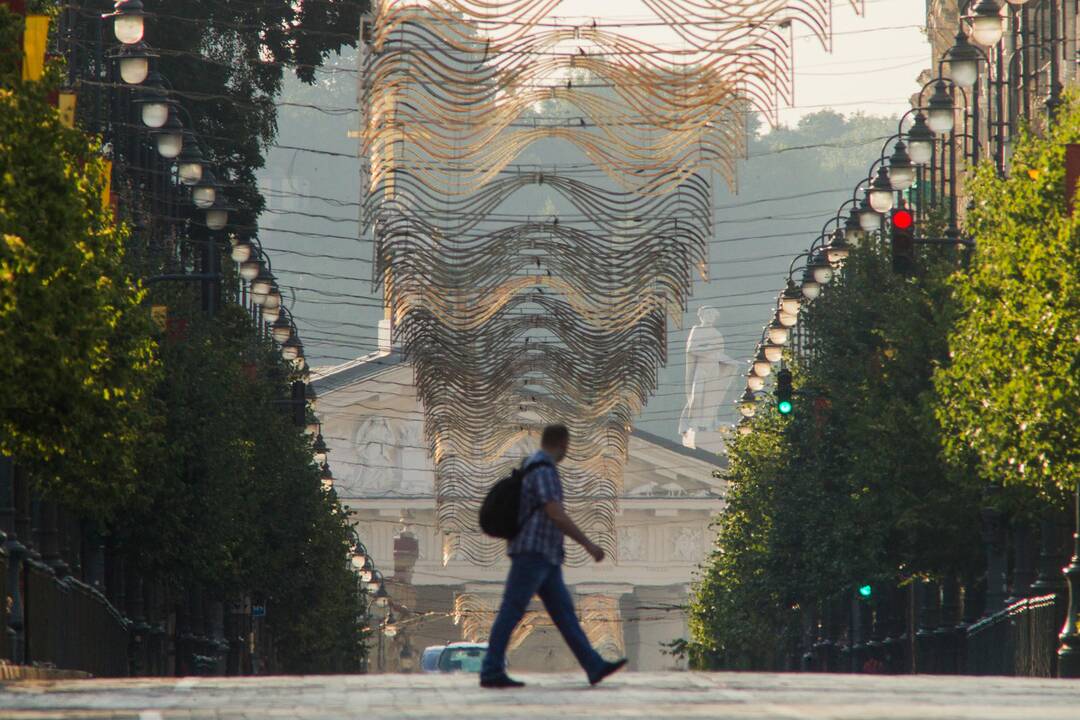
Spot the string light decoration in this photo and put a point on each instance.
(513, 320)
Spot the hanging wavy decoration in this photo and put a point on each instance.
(514, 320)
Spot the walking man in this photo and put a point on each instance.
(536, 557)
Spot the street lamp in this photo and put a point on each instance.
(822, 270)
(754, 383)
(853, 230)
(250, 269)
(241, 252)
(920, 141)
(939, 109)
(776, 332)
(320, 449)
(261, 285)
(747, 405)
(327, 478)
(360, 556)
(190, 163)
(169, 137)
(153, 100)
(837, 250)
(811, 288)
(773, 353)
(290, 349)
(869, 219)
(217, 215)
(281, 332)
(272, 301)
(134, 61)
(376, 581)
(128, 16)
(963, 60)
(901, 171)
(204, 191)
(790, 299)
(987, 25)
(381, 598)
(881, 192)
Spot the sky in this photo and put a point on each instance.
(311, 182)
(873, 64)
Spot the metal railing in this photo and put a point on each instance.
(1021, 640)
(920, 629)
(72, 626)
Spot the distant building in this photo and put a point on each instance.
(632, 604)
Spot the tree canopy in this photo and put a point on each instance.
(1010, 395)
(80, 365)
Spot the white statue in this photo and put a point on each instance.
(709, 373)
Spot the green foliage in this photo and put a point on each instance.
(232, 500)
(850, 487)
(80, 363)
(1011, 391)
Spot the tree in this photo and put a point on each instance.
(80, 361)
(848, 489)
(232, 502)
(1010, 394)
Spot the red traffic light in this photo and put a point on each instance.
(902, 219)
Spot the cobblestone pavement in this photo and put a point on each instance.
(628, 695)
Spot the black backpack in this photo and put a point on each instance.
(499, 512)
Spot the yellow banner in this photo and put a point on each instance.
(35, 38)
(66, 107)
(106, 187)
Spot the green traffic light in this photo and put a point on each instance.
(866, 591)
(784, 406)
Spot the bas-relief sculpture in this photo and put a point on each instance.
(688, 543)
(709, 374)
(388, 459)
(631, 544)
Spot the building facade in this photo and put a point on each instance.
(632, 604)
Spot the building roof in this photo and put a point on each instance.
(333, 378)
(367, 366)
(696, 453)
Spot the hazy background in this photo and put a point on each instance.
(796, 176)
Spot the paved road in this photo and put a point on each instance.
(722, 696)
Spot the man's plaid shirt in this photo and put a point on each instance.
(538, 534)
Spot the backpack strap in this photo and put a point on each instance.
(524, 474)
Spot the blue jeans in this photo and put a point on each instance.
(531, 574)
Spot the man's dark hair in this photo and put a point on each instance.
(555, 435)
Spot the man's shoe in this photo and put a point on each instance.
(500, 681)
(607, 669)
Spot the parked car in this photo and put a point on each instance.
(462, 657)
(429, 661)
